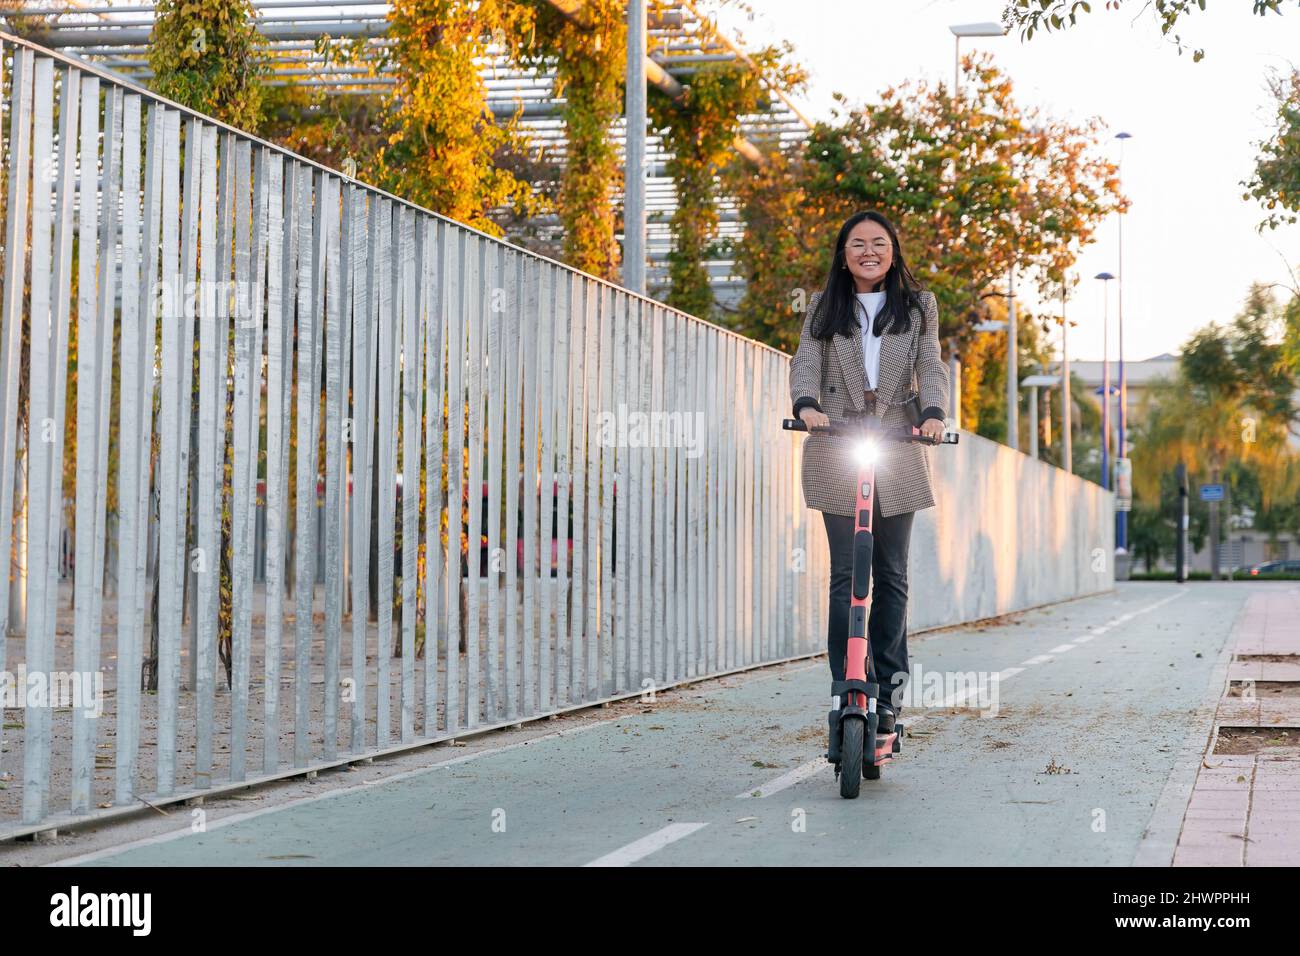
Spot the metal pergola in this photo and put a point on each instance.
(115, 36)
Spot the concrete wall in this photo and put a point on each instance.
(1007, 533)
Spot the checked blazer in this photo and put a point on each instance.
(829, 376)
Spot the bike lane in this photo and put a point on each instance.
(1097, 697)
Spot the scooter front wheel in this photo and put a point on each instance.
(853, 729)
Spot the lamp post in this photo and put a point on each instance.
(986, 29)
(1105, 278)
(1121, 517)
(1013, 351)
(1033, 383)
(1066, 413)
(959, 30)
(634, 191)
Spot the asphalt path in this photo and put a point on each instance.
(1074, 750)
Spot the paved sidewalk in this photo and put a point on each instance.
(1245, 808)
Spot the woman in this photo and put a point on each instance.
(870, 342)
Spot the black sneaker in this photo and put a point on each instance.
(885, 718)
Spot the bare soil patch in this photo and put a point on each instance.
(1264, 688)
(1258, 740)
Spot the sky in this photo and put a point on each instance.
(1191, 249)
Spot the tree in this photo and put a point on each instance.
(1044, 16)
(1151, 533)
(1230, 407)
(972, 183)
(1276, 182)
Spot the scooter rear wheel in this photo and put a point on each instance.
(853, 729)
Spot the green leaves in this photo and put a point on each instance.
(210, 57)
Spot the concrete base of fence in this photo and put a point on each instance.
(1007, 533)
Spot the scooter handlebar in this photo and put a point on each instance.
(849, 430)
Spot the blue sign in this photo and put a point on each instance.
(1211, 492)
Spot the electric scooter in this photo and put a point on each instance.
(854, 722)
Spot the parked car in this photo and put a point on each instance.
(1273, 567)
(548, 530)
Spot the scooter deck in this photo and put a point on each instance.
(885, 748)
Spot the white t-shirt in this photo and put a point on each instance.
(872, 302)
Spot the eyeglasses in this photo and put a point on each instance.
(857, 245)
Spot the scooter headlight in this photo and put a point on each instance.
(865, 452)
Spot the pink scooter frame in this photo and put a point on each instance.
(862, 751)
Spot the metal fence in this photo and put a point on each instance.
(210, 294)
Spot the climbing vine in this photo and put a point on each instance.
(699, 129)
(445, 151)
(588, 51)
(209, 56)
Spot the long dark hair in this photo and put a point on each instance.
(837, 309)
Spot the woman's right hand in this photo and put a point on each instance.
(813, 418)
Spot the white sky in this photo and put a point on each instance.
(1190, 246)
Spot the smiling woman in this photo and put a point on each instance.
(869, 347)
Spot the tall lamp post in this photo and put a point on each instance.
(1121, 517)
(1065, 388)
(986, 29)
(1105, 278)
(634, 190)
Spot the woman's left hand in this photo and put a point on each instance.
(932, 428)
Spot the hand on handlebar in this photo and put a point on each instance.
(932, 428)
(813, 418)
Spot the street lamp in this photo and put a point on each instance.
(986, 29)
(1121, 517)
(1013, 364)
(634, 168)
(1105, 278)
(1033, 383)
(1065, 389)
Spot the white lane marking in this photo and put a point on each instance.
(642, 848)
(1061, 648)
(787, 779)
(1085, 639)
(803, 772)
(213, 824)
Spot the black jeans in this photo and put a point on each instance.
(887, 622)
